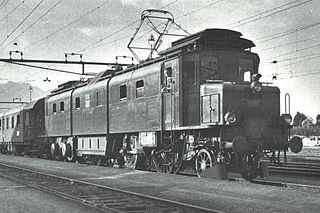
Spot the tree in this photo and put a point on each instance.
(307, 123)
(318, 120)
(298, 118)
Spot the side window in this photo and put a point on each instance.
(47, 109)
(12, 122)
(77, 102)
(54, 108)
(7, 123)
(123, 92)
(87, 100)
(0, 124)
(61, 106)
(18, 119)
(27, 120)
(139, 88)
(98, 98)
(190, 72)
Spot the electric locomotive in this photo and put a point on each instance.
(199, 104)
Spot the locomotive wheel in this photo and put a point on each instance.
(252, 170)
(69, 152)
(203, 161)
(249, 175)
(55, 151)
(164, 162)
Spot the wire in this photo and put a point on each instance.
(67, 25)
(201, 8)
(91, 46)
(285, 33)
(3, 4)
(288, 44)
(271, 14)
(55, 5)
(22, 22)
(12, 11)
(295, 51)
(45, 68)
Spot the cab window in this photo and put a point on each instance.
(209, 68)
(189, 72)
(245, 69)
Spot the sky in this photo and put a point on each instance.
(286, 32)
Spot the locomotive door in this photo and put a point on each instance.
(170, 94)
(210, 108)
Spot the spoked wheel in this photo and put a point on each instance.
(164, 161)
(203, 161)
(131, 161)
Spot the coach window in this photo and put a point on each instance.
(12, 122)
(123, 92)
(3, 124)
(139, 89)
(77, 102)
(190, 72)
(18, 119)
(54, 108)
(61, 106)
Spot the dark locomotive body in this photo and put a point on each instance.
(200, 103)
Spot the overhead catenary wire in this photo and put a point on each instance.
(67, 25)
(289, 43)
(31, 12)
(201, 8)
(14, 9)
(268, 15)
(93, 45)
(45, 68)
(31, 25)
(285, 33)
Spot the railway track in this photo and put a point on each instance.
(97, 196)
(297, 168)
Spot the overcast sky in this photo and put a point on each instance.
(285, 31)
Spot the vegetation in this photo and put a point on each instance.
(304, 125)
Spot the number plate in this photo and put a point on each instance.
(253, 103)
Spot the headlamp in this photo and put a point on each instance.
(256, 86)
(230, 117)
(286, 118)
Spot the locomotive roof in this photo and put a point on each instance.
(212, 39)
